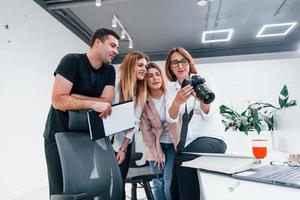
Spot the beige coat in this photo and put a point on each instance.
(151, 128)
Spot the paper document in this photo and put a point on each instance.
(121, 119)
(223, 163)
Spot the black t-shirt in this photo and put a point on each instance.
(86, 81)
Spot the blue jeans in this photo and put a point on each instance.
(161, 186)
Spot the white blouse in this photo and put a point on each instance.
(201, 124)
(119, 137)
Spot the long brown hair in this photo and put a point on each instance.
(129, 86)
(163, 82)
(170, 75)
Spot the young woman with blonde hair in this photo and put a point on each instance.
(160, 151)
(131, 86)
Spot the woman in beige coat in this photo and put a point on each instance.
(158, 135)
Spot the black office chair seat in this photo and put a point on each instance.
(140, 175)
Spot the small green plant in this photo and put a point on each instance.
(256, 116)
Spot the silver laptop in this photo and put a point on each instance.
(278, 175)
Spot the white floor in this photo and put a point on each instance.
(42, 194)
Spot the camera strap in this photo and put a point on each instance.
(186, 118)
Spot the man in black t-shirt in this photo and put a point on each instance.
(82, 81)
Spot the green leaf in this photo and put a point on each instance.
(283, 97)
(257, 127)
(269, 122)
(292, 103)
(244, 129)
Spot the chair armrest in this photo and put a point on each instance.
(81, 196)
(136, 156)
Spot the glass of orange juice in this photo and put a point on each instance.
(259, 148)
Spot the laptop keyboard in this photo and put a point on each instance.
(291, 174)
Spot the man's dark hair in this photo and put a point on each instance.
(101, 35)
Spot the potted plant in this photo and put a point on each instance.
(253, 118)
(258, 116)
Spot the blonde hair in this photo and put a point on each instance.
(163, 82)
(169, 73)
(129, 86)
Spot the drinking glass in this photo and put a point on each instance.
(259, 148)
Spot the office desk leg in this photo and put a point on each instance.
(202, 193)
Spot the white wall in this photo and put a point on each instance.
(250, 80)
(37, 43)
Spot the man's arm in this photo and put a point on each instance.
(62, 100)
(107, 95)
(79, 96)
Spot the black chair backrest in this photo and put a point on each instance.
(89, 166)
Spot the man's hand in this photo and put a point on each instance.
(102, 107)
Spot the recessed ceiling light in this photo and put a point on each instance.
(205, 33)
(114, 22)
(203, 2)
(123, 34)
(289, 26)
(98, 3)
(130, 45)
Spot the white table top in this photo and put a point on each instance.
(224, 187)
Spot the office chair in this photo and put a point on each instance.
(140, 174)
(90, 170)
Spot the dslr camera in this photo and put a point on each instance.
(203, 92)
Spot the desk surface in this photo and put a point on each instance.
(219, 186)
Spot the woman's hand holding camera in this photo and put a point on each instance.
(181, 97)
(183, 94)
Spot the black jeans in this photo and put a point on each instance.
(185, 184)
(124, 167)
(55, 178)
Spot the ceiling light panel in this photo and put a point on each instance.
(223, 35)
(272, 30)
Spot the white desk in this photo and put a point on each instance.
(217, 187)
(224, 187)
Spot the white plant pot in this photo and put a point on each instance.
(286, 136)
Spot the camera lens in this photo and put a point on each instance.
(204, 94)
